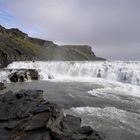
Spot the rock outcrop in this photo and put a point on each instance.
(25, 115)
(2, 86)
(18, 46)
(23, 75)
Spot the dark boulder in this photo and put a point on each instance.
(71, 130)
(50, 76)
(23, 75)
(33, 74)
(2, 86)
(16, 77)
(73, 122)
(25, 115)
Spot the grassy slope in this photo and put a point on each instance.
(31, 48)
(16, 45)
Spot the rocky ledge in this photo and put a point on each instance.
(25, 115)
(22, 75)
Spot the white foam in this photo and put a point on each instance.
(125, 72)
(4, 76)
(113, 89)
(111, 116)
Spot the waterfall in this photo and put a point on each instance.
(125, 72)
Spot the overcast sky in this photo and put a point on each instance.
(111, 27)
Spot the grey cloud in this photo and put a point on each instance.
(110, 26)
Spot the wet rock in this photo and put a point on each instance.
(16, 77)
(25, 115)
(40, 135)
(23, 75)
(50, 76)
(2, 86)
(33, 74)
(99, 73)
(73, 122)
(36, 122)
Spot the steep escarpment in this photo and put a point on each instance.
(18, 46)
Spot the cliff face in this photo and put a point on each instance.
(18, 46)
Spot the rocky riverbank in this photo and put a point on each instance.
(25, 115)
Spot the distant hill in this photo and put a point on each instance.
(18, 46)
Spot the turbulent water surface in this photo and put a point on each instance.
(106, 95)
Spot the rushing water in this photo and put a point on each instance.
(126, 72)
(106, 95)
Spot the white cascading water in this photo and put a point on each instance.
(124, 72)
